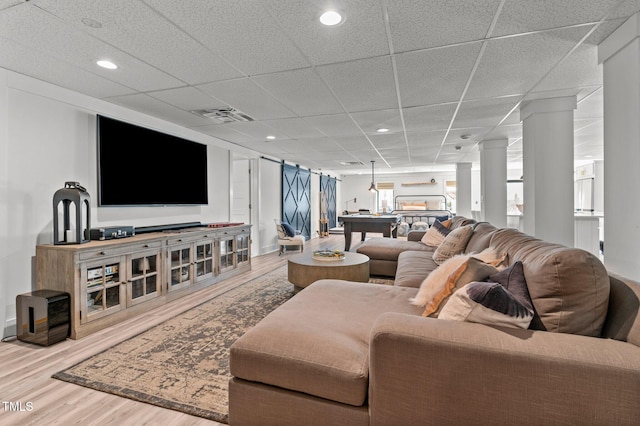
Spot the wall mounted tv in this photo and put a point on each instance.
(142, 167)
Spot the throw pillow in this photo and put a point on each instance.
(471, 270)
(487, 303)
(454, 243)
(281, 233)
(512, 278)
(288, 229)
(437, 279)
(436, 233)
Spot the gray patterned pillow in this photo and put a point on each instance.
(454, 243)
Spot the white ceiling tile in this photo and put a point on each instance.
(244, 95)
(351, 143)
(472, 135)
(294, 128)
(362, 85)
(160, 44)
(42, 32)
(604, 30)
(626, 9)
(511, 132)
(225, 133)
(5, 4)
(295, 88)
(389, 141)
(242, 32)
(436, 117)
(519, 16)
(334, 125)
(514, 65)
(419, 24)
(370, 121)
(361, 35)
(579, 69)
(485, 112)
(148, 105)
(187, 98)
(47, 68)
(255, 129)
(435, 76)
(419, 140)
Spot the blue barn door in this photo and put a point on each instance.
(328, 187)
(296, 198)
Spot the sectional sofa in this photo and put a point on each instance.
(346, 353)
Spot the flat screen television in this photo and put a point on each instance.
(143, 167)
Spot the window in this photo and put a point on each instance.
(385, 196)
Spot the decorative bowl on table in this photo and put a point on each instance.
(328, 255)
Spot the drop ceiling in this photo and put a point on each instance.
(439, 74)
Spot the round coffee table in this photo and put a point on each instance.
(304, 269)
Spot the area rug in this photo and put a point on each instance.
(183, 363)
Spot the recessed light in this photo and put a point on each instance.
(465, 136)
(107, 64)
(382, 130)
(270, 137)
(330, 18)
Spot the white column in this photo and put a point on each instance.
(620, 56)
(463, 189)
(547, 148)
(493, 181)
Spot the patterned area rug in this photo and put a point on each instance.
(183, 363)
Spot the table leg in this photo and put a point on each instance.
(363, 235)
(347, 236)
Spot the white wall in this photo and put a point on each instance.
(357, 186)
(6, 293)
(269, 204)
(47, 137)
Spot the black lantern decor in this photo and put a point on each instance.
(72, 197)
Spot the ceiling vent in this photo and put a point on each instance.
(224, 115)
(352, 163)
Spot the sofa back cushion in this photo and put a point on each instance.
(482, 232)
(569, 287)
(623, 317)
(458, 221)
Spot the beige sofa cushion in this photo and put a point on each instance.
(389, 248)
(569, 287)
(318, 341)
(481, 237)
(413, 267)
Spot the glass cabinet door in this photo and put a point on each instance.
(144, 282)
(242, 248)
(205, 260)
(102, 293)
(180, 267)
(226, 254)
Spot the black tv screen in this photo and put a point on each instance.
(142, 167)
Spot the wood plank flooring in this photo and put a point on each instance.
(29, 396)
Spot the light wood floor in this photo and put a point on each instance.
(26, 369)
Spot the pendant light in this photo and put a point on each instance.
(372, 188)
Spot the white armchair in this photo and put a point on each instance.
(284, 240)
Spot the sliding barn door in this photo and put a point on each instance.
(328, 188)
(296, 198)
